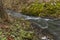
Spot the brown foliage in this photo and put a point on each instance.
(10, 38)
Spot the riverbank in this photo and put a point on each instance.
(23, 30)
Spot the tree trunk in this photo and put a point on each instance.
(3, 14)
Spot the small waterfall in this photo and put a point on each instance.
(52, 24)
(19, 15)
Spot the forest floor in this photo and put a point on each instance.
(21, 29)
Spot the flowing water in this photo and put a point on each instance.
(53, 25)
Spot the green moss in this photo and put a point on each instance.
(48, 9)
